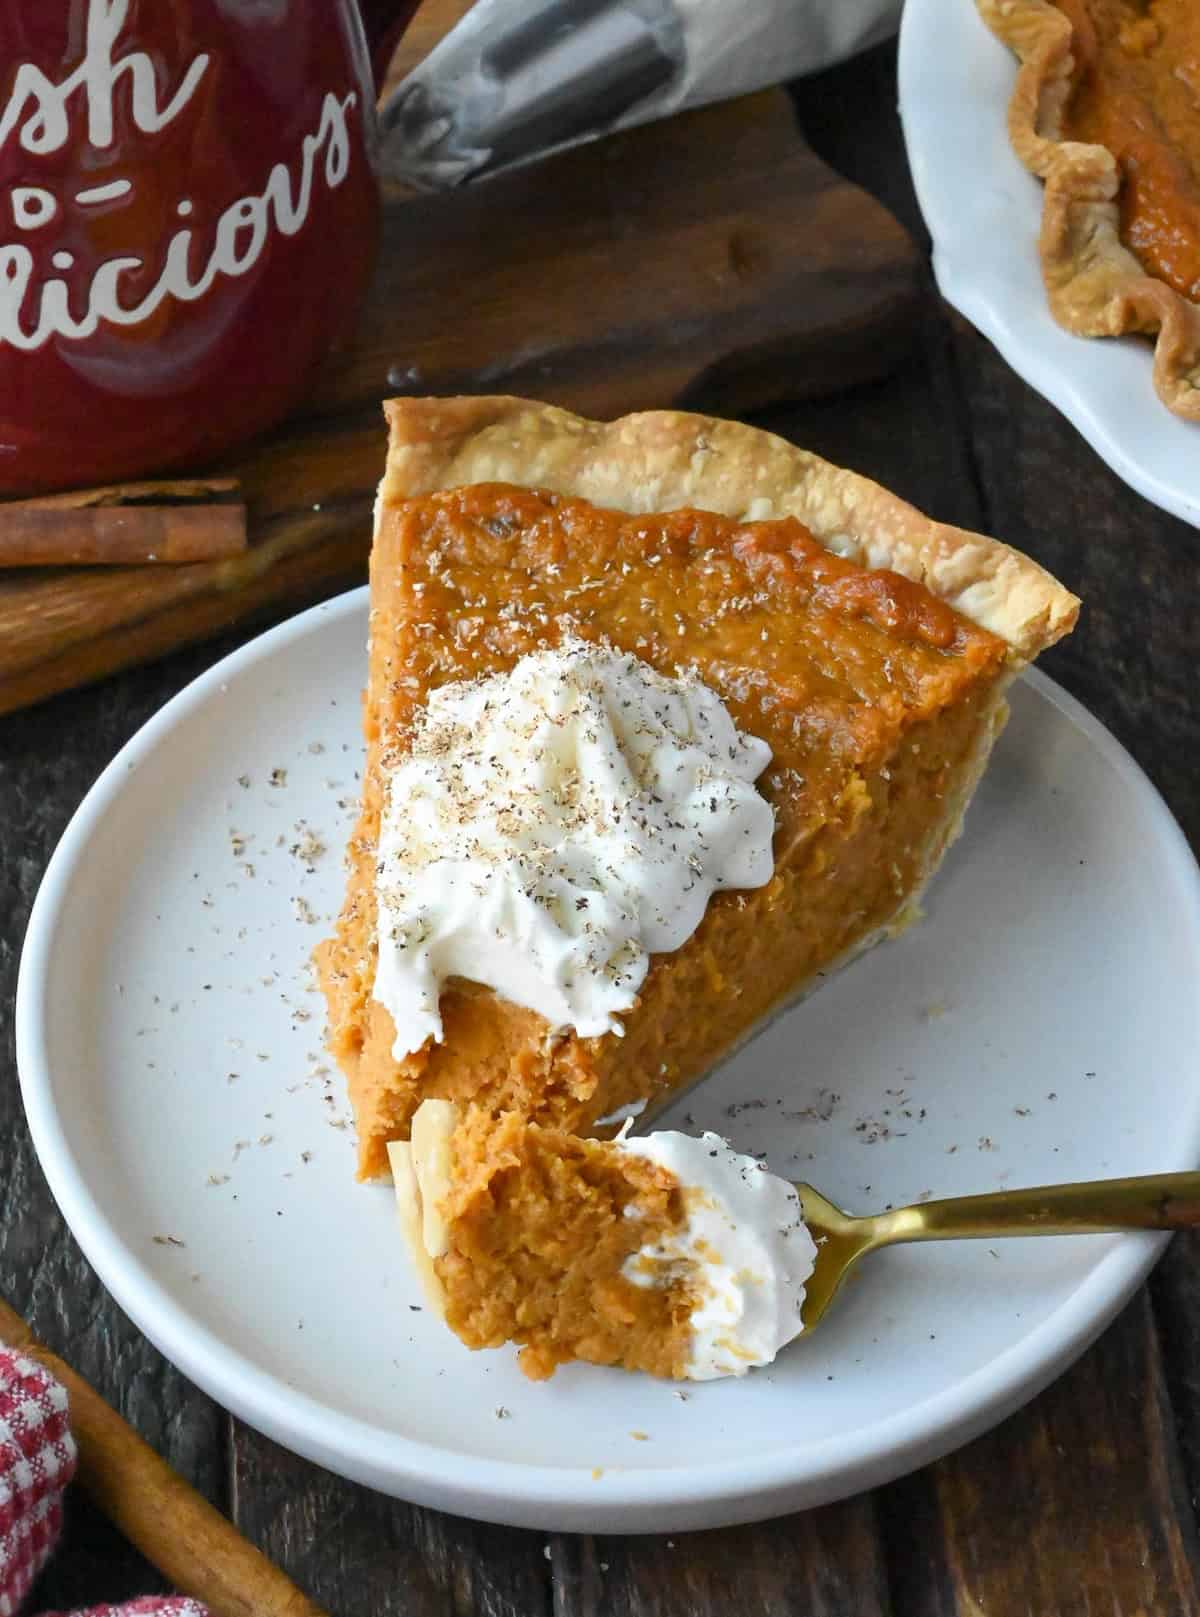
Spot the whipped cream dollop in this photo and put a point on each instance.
(745, 1248)
(552, 827)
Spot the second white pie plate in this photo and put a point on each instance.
(984, 212)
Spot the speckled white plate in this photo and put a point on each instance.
(984, 211)
(1041, 1024)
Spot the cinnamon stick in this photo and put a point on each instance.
(193, 1545)
(159, 492)
(37, 535)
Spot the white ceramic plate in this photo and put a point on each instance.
(1041, 1024)
(983, 212)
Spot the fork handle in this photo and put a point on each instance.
(1158, 1201)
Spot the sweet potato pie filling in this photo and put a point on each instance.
(540, 1226)
(1137, 92)
(879, 703)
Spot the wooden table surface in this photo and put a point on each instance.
(1083, 1503)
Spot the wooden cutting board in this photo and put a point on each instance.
(709, 261)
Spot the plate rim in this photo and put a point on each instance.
(513, 1492)
(1080, 401)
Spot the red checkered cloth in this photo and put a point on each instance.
(37, 1460)
(148, 1606)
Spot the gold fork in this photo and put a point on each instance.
(1161, 1201)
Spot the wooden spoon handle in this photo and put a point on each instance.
(196, 1549)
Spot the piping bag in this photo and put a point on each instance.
(518, 78)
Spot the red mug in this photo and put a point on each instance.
(188, 212)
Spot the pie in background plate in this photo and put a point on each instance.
(869, 646)
(1106, 110)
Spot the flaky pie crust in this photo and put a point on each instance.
(1094, 284)
(662, 460)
